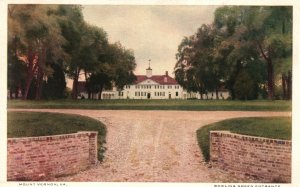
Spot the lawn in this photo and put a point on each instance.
(275, 127)
(191, 105)
(26, 124)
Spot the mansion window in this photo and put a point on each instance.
(176, 93)
(161, 93)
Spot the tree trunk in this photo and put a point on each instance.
(270, 72)
(100, 92)
(40, 74)
(289, 85)
(31, 69)
(217, 94)
(89, 95)
(16, 57)
(39, 83)
(11, 93)
(22, 90)
(74, 88)
(201, 91)
(75, 85)
(201, 95)
(284, 90)
(16, 93)
(27, 86)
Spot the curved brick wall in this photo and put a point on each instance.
(267, 160)
(40, 158)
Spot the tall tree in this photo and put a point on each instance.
(123, 61)
(15, 71)
(244, 86)
(37, 32)
(196, 68)
(97, 82)
(73, 29)
(115, 68)
(85, 44)
(54, 86)
(266, 29)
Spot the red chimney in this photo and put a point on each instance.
(166, 73)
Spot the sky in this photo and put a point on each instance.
(151, 31)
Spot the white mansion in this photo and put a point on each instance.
(150, 87)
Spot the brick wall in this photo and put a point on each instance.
(267, 160)
(40, 158)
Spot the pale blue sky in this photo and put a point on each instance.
(153, 32)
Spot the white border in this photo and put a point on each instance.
(296, 81)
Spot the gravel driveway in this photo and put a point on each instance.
(154, 146)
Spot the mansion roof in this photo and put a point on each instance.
(160, 79)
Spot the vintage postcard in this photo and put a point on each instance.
(121, 93)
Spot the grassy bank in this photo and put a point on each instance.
(26, 124)
(190, 105)
(275, 127)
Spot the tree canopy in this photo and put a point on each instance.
(47, 42)
(245, 45)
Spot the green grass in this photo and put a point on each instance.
(190, 105)
(275, 127)
(27, 124)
